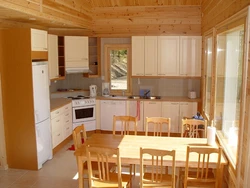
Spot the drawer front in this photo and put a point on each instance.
(56, 113)
(67, 131)
(57, 138)
(67, 108)
(56, 124)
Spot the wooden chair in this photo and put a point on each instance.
(158, 125)
(193, 127)
(127, 125)
(202, 175)
(156, 177)
(105, 178)
(79, 137)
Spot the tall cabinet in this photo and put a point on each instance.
(17, 94)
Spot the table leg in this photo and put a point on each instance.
(220, 176)
(80, 172)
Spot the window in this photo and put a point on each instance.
(208, 78)
(229, 62)
(118, 63)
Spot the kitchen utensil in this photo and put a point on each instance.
(105, 89)
(92, 90)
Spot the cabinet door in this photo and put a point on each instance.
(135, 108)
(39, 40)
(187, 109)
(67, 124)
(151, 56)
(57, 131)
(53, 56)
(76, 51)
(168, 55)
(190, 55)
(109, 108)
(138, 55)
(171, 110)
(151, 109)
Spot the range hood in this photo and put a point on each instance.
(76, 67)
(72, 70)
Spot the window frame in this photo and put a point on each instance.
(107, 68)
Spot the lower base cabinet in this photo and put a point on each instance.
(176, 111)
(61, 124)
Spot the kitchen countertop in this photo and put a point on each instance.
(162, 99)
(56, 103)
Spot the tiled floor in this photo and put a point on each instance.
(60, 172)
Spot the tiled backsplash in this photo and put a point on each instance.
(161, 86)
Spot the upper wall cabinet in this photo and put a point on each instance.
(53, 56)
(138, 55)
(76, 53)
(166, 56)
(190, 55)
(39, 40)
(150, 56)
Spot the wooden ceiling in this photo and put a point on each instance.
(87, 15)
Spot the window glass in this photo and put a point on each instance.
(229, 62)
(118, 69)
(208, 84)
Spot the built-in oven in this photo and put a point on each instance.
(83, 112)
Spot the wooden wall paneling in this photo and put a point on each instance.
(18, 104)
(42, 10)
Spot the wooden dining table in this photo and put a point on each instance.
(129, 146)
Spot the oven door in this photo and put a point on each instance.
(84, 113)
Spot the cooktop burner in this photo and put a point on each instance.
(78, 97)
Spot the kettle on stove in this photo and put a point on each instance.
(92, 90)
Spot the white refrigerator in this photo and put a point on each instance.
(42, 111)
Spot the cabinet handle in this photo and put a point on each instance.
(58, 134)
(58, 120)
(66, 108)
(67, 121)
(148, 74)
(57, 112)
(66, 114)
(67, 128)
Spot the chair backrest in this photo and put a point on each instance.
(104, 157)
(160, 125)
(127, 125)
(191, 127)
(201, 173)
(79, 134)
(154, 158)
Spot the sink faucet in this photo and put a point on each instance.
(145, 93)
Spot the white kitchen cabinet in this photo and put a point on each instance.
(76, 52)
(176, 111)
(152, 109)
(61, 124)
(138, 55)
(151, 56)
(168, 56)
(190, 55)
(39, 40)
(109, 108)
(53, 56)
(135, 108)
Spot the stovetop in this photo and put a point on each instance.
(80, 100)
(78, 97)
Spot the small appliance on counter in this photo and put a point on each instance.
(92, 90)
(192, 94)
(105, 89)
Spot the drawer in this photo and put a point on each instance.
(67, 117)
(67, 108)
(56, 113)
(57, 138)
(56, 124)
(67, 131)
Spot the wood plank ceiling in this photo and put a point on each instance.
(104, 17)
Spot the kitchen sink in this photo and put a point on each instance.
(147, 97)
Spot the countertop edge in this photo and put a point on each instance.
(56, 103)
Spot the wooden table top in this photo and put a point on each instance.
(129, 146)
